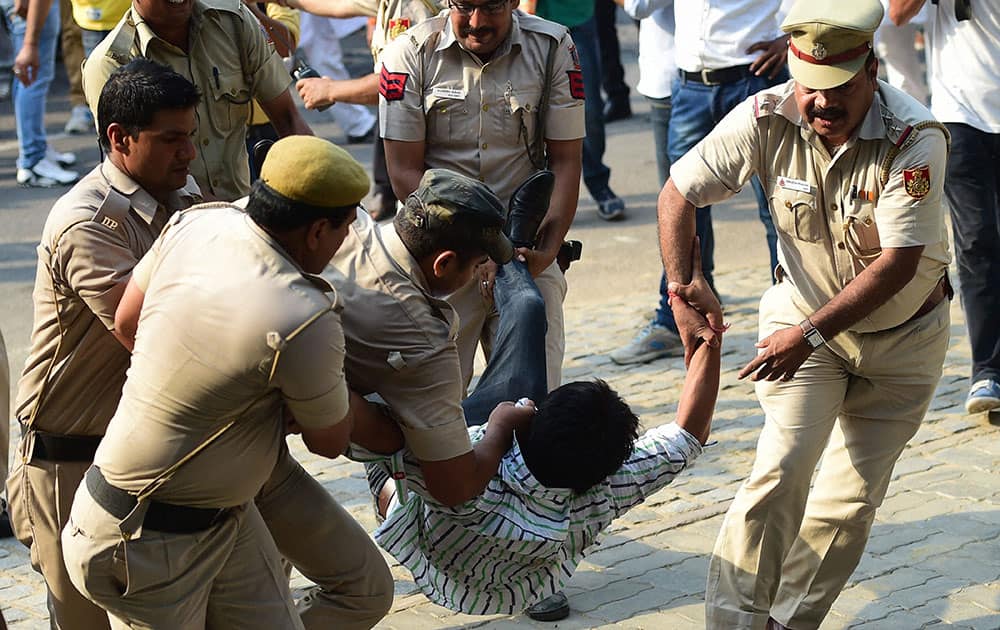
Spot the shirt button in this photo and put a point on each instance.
(841, 246)
(484, 145)
(205, 142)
(486, 108)
(442, 110)
(833, 207)
(788, 204)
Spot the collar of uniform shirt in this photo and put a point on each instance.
(514, 39)
(146, 33)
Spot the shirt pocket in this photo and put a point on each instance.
(444, 115)
(230, 100)
(861, 233)
(520, 117)
(797, 213)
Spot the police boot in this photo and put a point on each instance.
(528, 206)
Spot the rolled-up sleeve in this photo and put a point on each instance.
(718, 166)
(310, 374)
(910, 210)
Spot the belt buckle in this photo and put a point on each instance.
(705, 79)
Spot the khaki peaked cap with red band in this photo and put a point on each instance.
(830, 39)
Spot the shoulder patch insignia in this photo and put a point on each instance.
(392, 85)
(575, 56)
(397, 27)
(917, 181)
(764, 105)
(576, 83)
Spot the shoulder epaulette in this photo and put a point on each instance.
(421, 33)
(120, 49)
(765, 104)
(535, 24)
(113, 211)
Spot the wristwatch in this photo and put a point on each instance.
(812, 334)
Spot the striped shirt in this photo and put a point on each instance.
(519, 541)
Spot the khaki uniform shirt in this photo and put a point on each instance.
(92, 239)
(230, 328)
(401, 340)
(230, 61)
(834, 213)
(479, 119)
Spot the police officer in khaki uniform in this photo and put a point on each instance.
(401, 332)
(852, 338)
(160, 534)
(467, 90)
(75, 369)
(218, 46)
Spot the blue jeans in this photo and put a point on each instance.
(29, 102)
(695, 110)
(659, 119)
(972, 187)
(595, 173)
(91, 39)
(517, 366)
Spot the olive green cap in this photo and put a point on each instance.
(830, 39)
(444, 195)
(314, 171)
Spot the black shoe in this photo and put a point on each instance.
(382, 205)
(617, 110)
(6, 530)
(610, 206)
(367, 138)
(552, 608)
(528, 206)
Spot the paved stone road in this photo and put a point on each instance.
(934, 555)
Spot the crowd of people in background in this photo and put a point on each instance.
(489, 116)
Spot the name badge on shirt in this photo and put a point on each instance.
(444, 92)
(795, 184)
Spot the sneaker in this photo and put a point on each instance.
(46, 174)
(652, 342)
(610, 206)
(553, 608)
(64, 160)
(366, 138)
(80, 121)
(984, 395)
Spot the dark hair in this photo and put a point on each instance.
(135, 92)
(269, 209)
(435, 236)
(581, 433)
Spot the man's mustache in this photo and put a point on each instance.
(475, 32)
(827, 113)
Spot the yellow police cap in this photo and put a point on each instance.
(314, 171)
(830, 39)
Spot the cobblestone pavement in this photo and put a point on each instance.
(933, 558)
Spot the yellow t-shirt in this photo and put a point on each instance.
(290, 19)
(99, 15)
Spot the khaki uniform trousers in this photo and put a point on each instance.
(227, 576)
(40, 495)
(787, 552)
(72, 51)
(326, 544)
(478, 323)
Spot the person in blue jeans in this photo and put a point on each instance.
(578, 17)
(698, 101)
(34, 68)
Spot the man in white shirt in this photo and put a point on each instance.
(966, 37)
(726, 50)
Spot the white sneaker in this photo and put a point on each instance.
(62, 159)
(80, 121)
(46, 174)
(652, 342)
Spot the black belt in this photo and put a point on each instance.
(54, 447)
(160, 517)
(718, 76)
